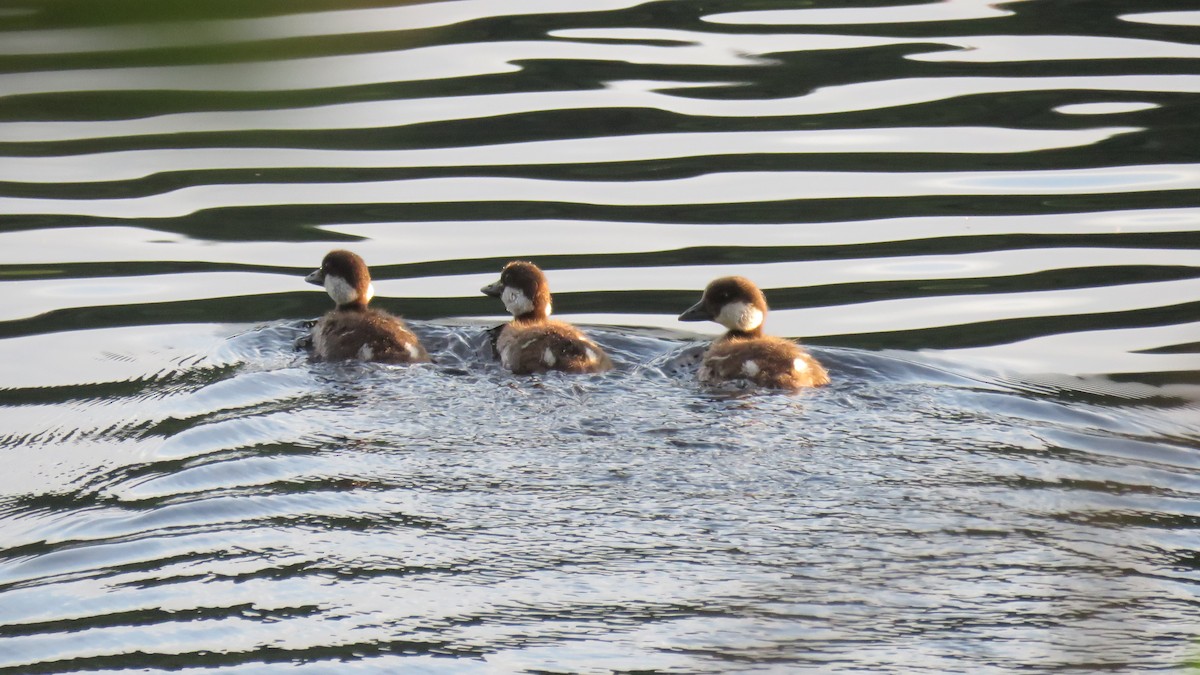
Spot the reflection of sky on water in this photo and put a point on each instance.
(783, 275)
(1185, 18)
(1000, 197)
(948, 310)
(714, 188)
(1123, 179)
(962, 10)
(1110, 351)
(1114, 108)
(628, 94)
(1042, 48)
(406, 243)
(102, 355)
(332, 23)
(126, 165)
(30, 298)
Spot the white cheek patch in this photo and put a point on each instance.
(740, 316)
(412, 351)
(548, 357)
(801, 365)
(340, 290)
(515, 301)
(365, 353)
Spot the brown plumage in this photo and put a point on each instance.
(745, 352)
(351, 330)
(532, 342)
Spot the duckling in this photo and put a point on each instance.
(351, 330)
(744, 352)
(531, 342)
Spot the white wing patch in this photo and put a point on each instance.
(515, 301)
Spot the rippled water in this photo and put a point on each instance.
(983, 218)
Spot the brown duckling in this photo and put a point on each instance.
(351, 330)
(532, 342)
(745, 352)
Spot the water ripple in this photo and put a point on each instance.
(742, 187)
(980, 217)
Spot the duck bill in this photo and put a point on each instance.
(493, 289)
(316, 278)
(696, 312)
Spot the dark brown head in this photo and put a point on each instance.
(523, 289)
(733, 302)
(345, 277)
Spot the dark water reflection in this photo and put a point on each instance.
(982, 216)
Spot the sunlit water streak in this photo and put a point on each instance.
(982, 217)
(742, 187)
(621, 95)
(638, 148)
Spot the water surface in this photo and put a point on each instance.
(983, 218)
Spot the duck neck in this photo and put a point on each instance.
(735, 334)
(532, 316)
(356, 306)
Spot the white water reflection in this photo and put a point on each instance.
(140, 352)
(1184, 18)
(112, 166)
(949, 310)
(1114, 108)
(1109, 352)
(798, 274)
(417, 16)
(717, 188)
(402, 243)
(1017, 48)
(654, 95)
(408, 65)
(955, 10)
(30, 298)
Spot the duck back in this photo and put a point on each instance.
(549, 345)
(765, 361)
(367, 335)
